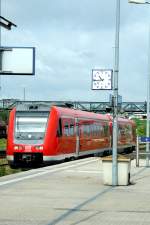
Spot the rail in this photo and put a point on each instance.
(2, 154)
(3, 164)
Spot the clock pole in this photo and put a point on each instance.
(115, 102)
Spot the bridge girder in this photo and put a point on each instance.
(99, 107)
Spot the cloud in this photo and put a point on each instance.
(72, 38)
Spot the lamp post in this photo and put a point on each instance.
(7, 24)
(148, 86)
(0, 53)
(148, 103)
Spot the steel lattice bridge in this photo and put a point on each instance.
(98, 107)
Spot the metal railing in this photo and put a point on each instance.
(138, 153)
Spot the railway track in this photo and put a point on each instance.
(4, 164)
(5, 168)
(2, 154)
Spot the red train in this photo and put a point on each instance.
(40, 134)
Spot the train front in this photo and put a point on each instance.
(26, 132)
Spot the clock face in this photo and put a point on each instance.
(101, 79)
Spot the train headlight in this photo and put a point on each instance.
(18, 147)
(39, 147)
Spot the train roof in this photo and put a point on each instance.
(120, 119)
(40, 106)
(64, 109)
(79, 113)
(61, 109)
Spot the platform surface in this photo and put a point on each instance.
(73, 193)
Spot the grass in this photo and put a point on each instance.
(6, 170)
(3, 142)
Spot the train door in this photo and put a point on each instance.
(68, 136)
(85, 135)
(77, 137)
(121, 134)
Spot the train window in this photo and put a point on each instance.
(106, 130)
(71, 130)
(30, 126)
(128, 130)
(86, 130)
(59, 130)
(66, 129)
(97, 130)
(102, 131)
(121, 130)
(94, 130)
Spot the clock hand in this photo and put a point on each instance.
(101, 78)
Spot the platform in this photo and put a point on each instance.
(73, 193)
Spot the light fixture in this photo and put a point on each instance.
(6, 23)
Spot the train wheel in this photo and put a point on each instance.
(72, 158)
(13, 166)
(106, 153)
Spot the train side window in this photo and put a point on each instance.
(80, 128)
(94, 130)
(71, 130)
(102, 131)
(66, 129)
(91, 130)
(121, 130)
(128, 130)
(86, 131)
(59, 129)
(106, 129)
(98, 130)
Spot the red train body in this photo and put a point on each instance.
(42, 134)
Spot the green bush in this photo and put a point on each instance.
(141, 127)
(4, 115)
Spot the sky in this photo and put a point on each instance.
(71, 38)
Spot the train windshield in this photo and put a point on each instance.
(30, 127)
